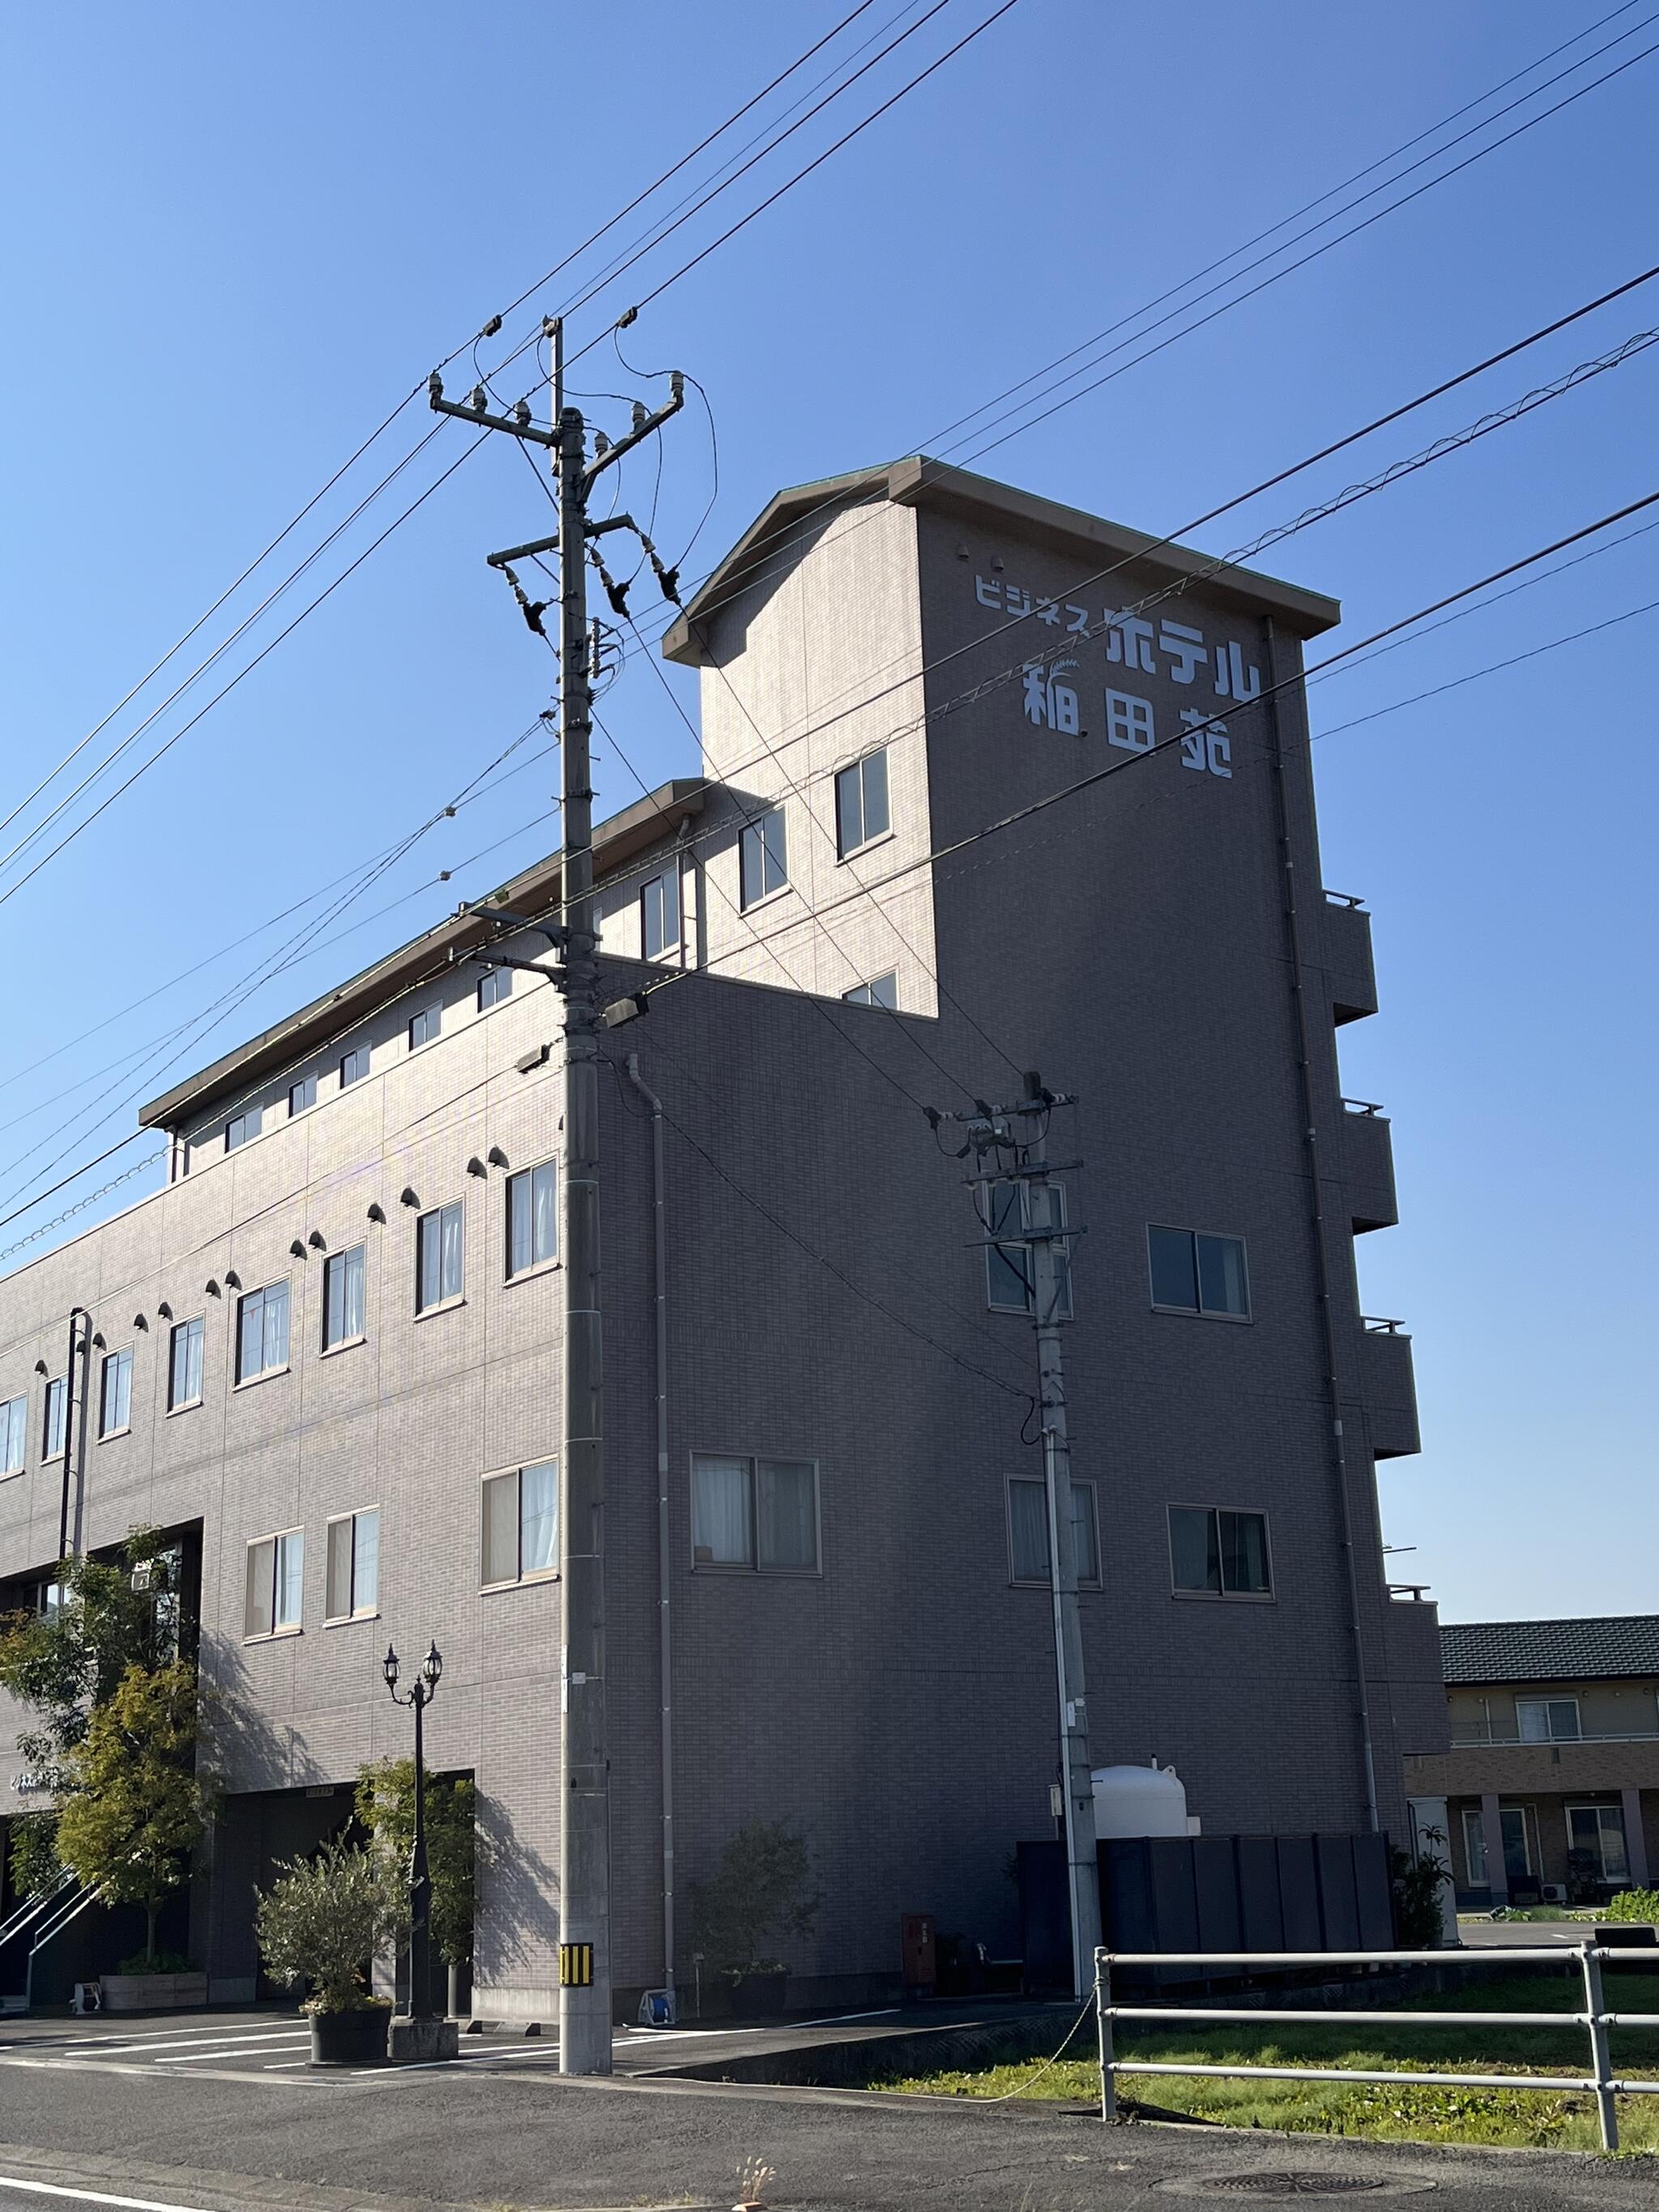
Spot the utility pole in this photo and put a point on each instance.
(584, 1749)
(1009, 1148)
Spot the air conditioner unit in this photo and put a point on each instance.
(1553, 1893)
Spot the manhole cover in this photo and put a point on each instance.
(1282, 2188)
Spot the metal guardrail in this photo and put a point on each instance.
(1594, 2019)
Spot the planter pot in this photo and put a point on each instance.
(758, 1996)
(152, 1992)
(350, 2039)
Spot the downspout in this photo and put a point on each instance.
(1321, 1258)
(665, 1655)
(76, 1314)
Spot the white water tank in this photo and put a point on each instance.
(1140, 1800)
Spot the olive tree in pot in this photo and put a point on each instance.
(321, 1923)
(760, 1892)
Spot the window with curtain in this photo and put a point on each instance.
(763, 857)
(14, 1435)
(1215, 1551)
(185, 1363)
(115, 1401)
(354, 1563)
(343, 1298)
(660, 913)
(521, 1524)
(261, 1331)
(275, 1584)
(760, 1514)
(861, 812)
(54, 1426)
(438, 1257)
(1028, 1533)
(532, 1218)
(1547, 1720)
(1193, 1272)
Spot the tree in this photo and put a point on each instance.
(386, 1805)
(325, 1919)
(760, 1890)
(133, 1809)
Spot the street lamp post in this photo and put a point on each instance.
(427, 2026)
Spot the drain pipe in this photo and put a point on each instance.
(665, 1656)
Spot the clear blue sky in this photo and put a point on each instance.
(237, 236)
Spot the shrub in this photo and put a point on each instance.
(157, 1962)
(1417, 1885)
(1631, 1905)
(386, 1804)
(325, 1920)
(759, 1891)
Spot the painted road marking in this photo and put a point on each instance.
(97, 2196)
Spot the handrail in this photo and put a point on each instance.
(1343, 898)
(1594, 2019)
(77, 1906)
(1362, 1109)
(1552, 1742)
(33, 1907)
(1377, 1325)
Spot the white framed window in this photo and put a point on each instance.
(660, 913)
(532, 1218)
(54, 1426)
(185, 1363)
(862, 810)
(1217, 1551)
(763, 858)
(353, 1571)
(1547, 1720)
(1517, 1826)
(115, 1397)
(1009, 1282)
(343, 1298)
(521, 1524)
(241, 1128)
(1193, 1272)
(261, 1332)
(300, 1094)
(439, 1257)
(14, 1435)
(1600, 1830)
(1028, 1534)
(759, 1514)
(494, 985)
(424, 1025)
(276, 1585)
(354, 1065)
(879, 991)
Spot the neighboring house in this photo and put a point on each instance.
(1549, 1791)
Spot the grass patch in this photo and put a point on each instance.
(1433, 2042)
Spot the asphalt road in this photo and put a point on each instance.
(203, 2138)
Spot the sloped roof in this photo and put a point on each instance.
(1598, 1646)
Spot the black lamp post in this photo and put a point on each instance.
(419, 1695)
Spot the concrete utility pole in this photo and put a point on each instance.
(584, 1796)
(1010, 1144)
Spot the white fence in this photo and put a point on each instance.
(1594, 2019)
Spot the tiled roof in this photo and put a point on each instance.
(1550, 1650)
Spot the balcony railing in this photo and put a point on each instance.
(1485, 1740)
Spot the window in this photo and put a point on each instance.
(1518, 1856)
(354, 1565)
(758, 1513)
(1600, 1830)
(343, 1297)
(275, 1584)
(521, 1524)
(660, 913)
(1217, 1552)
(879, 991)
(1028, 1533)
(1010, 1281)
(115, 1403)
(354, 1066)
(438, 1257)
(54, 1433)
(1548, 1720)
(1195, 1274)
(861, 803)
(764, 857)
(301, 1095)
(14, 1431)
(261, 1332)
(495, 985)
(425, 1025)
(238, 1129)
(532, 1218)
(184, 1364)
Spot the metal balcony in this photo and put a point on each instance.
(1350, 971)
(1367, 1156)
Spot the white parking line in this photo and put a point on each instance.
(209, 2040)
(95, 2196)
(235, 2051)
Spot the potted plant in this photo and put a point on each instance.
(759, 1891)
(321, 1923)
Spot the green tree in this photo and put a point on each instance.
(759, 1891)
(133, 1809)
(325, 1920)
(386, 1805)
